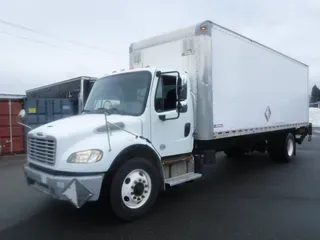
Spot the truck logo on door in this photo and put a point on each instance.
(267, 114)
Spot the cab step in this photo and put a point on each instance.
(182, 178)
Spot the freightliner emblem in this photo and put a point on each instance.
(267, 114)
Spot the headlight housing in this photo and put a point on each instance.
(87, 156)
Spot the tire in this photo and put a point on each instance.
(134, 189)
(283, 148)
(289, 148)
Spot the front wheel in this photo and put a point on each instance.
(134, 189)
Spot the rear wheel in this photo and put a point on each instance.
(134, 189)
(282, 148)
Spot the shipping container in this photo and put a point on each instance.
(59, 100)
(77, 89)
(11, 133)
(44, 110)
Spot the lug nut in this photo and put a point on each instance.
(142, 196)
(132, 193)
(145, 191)
(127, 181)
(134, 197)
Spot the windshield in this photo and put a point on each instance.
(127, 93)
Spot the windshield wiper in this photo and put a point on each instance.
(86, 111)
(109, 111)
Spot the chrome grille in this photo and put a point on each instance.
(42, 150)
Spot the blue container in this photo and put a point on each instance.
(44, 110)
(40, 111)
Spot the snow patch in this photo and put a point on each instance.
(314, 116)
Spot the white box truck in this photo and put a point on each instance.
(187, 95)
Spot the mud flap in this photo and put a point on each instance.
(310, 132)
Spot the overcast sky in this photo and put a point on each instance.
(105, 30)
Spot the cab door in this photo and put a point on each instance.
(171, 130)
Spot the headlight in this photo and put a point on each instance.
(88, 156)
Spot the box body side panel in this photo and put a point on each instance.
(255, 87)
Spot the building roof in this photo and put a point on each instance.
(11, 96)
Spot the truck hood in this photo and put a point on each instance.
(83, 132)
(86, 124)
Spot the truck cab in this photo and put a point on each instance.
(134, 137)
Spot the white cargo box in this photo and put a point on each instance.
(241, 86)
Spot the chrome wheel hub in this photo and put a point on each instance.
(136, 189)
(290, 147)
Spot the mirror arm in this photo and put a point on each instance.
(163, 117)
(24, 125)
(20, 117)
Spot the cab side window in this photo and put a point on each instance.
(166, 95)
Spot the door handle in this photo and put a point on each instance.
(187, 128)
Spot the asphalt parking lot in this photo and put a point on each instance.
(247, 198)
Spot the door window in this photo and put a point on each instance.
(166, 95)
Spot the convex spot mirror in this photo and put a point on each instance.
(107, 105)
(22, 115)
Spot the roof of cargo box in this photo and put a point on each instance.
(72, 80)
(194, 30)
(163, 38)
(11, 96)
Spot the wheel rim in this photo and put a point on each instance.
(136, 189)
(290, 147)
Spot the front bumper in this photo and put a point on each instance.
(76, 189)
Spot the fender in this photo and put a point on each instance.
(139, 150)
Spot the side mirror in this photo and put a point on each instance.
(179, 107)
(22, 115)
(179, 89)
